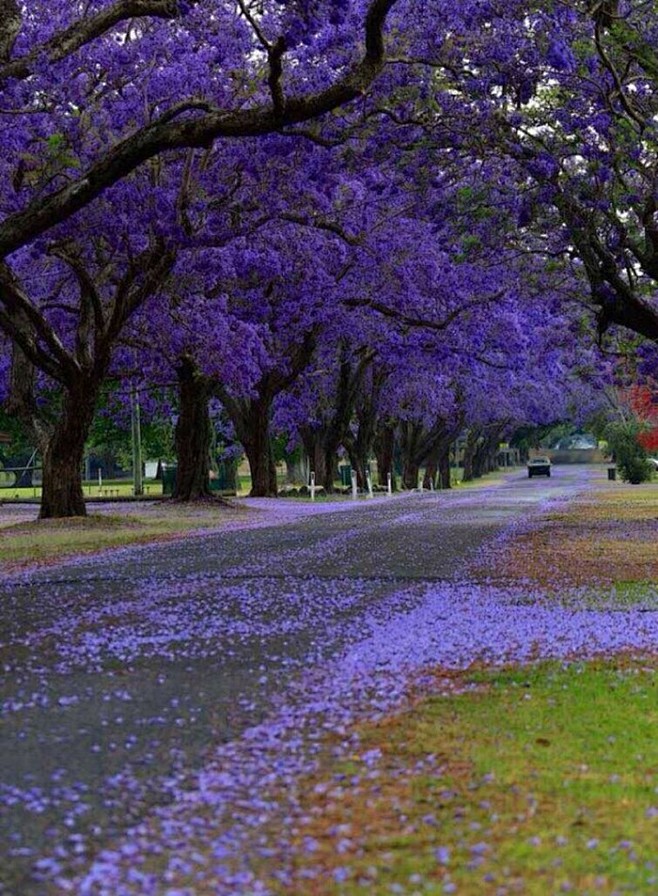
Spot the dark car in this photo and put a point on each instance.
(539, 466)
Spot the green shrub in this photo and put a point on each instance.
(630, 456)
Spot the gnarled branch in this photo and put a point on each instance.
(84, 31)
(162, 136)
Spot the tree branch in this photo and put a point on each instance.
(24, 325)
(162, 136)
(423, 323)
(321, 224)
(144, 277)
(274, 58)
(10, 25)
(86, 30)
(91, 319)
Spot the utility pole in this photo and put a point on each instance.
(138, 482)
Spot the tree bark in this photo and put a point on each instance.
(485, 449)
(10, 25)
(410, 474)
(251, 419)
(430, 473)
(444, 468)
(253, 430)
(251, 416)
(60, 443)
(298, 468)
(192, 434)
(384, 447)
(330, 465)
(425, 446)
(359, 466)
(360, 445)
(63, 453)
(469, 455)
(334, 432)
(315, 456)
(410, 435)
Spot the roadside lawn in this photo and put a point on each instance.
(538, 779)
(48, 541)
(533, 780)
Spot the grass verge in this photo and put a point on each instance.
(534, 780)
(607, 538)
(44, 541)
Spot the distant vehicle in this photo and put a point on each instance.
(653, 461)
(539, 466)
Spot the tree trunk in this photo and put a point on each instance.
(329, 465)
(311, 439)
(430, 473)
(298, 468)
(333, 434)
(410, 435)
(410, 475)
(384, 452)
(262, 469)
(444, 468)
(251, 419)
(360, 445)
(61, 444)
(359, 466)
(469, 455)
(331, 439)
(485, 456)
(258, 448)
(63, 453)
(251, 416)
(192, 436)
(79, 370)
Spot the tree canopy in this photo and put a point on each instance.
(333, 215)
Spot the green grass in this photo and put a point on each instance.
(632, 594)
(43, 541)
(542, 780)
(486, 479)
(122, 488)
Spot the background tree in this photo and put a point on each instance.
(67, 328)
(566, 93)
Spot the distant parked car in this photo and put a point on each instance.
(653, 461)
(539, 466)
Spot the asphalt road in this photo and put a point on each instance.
(121, 672)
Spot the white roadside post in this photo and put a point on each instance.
(389, 487)
(369, 481)
(100, 482)
(312, 486)
(354, 491)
